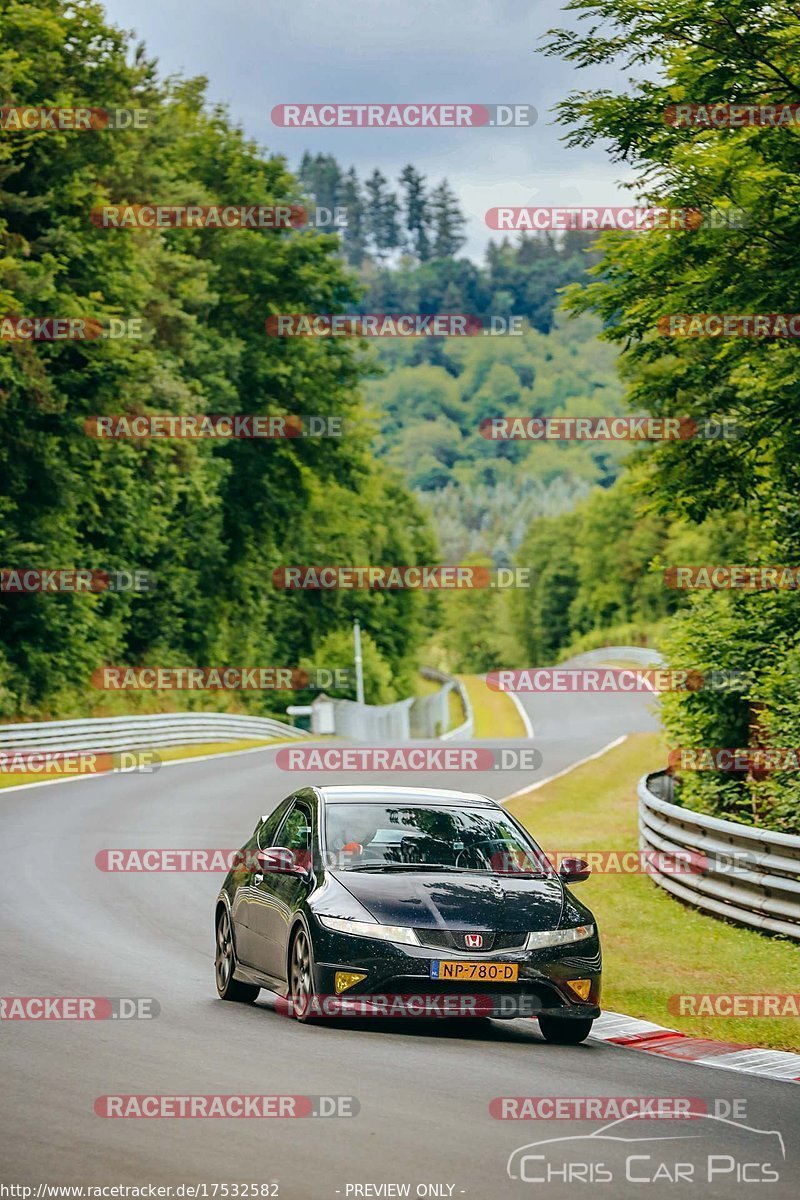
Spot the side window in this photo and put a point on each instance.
(295, 833)
(265, 835)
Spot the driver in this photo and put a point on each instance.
(354, 842)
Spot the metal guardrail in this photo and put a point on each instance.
(750, 876)
(129, 733)
(422, 717)
(372, 722)
(466, 728)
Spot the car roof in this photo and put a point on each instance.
(344, 793)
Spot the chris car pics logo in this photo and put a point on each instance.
(707, 1149)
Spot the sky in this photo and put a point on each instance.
(258, 53)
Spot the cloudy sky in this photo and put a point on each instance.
(258, 53)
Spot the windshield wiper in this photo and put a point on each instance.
(395, 866)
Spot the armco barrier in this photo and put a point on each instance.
(748, 875)
(130, 733)
(423, 717)
(466, 728)
(372, 722)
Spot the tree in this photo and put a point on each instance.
(472, 623)
(209, 520)
(704, 54)
(448, 222)
(322, 177)
(381, 216)
(336, 651)
(483, 494)
(416, 208)
(354, 238)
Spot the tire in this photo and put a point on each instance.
(229, 988)
(565, 1031)
(301, 977)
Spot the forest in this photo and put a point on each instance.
(412, 480)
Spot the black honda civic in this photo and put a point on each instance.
(406, 902)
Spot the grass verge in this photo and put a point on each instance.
(655, 947)
(496, 714)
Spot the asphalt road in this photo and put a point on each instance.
(70, 929)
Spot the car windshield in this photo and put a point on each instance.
(368, 836)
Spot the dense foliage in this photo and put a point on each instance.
(426, 223)
(484, 493)
(405, 246)
(210, 520)
(597, 572)
(706, 52)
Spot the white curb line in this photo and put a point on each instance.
(630, 1033)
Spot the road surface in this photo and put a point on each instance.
(423, 1089)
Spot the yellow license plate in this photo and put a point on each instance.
(475, 972)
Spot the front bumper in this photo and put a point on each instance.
(393, 971)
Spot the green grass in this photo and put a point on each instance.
(496, 714)
(655, 947)
(165, 753)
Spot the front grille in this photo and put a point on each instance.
(455, 939)
(537, 993)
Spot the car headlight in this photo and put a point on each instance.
(384, 933)
(558, 937)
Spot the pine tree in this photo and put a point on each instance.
(417, 213)
(382, 216)
(354, 236)
(325, 180)
(306, 171)
(448, 222)
(392, 237)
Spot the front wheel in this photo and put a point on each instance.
(229, 988)
(301, 977)
(565, 1031)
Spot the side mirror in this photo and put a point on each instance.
(574, 870)
(280, 861)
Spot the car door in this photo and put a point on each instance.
(248, 893)
(280, 894)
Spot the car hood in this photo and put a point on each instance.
(435, 901)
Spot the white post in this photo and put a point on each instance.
(359, 666)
